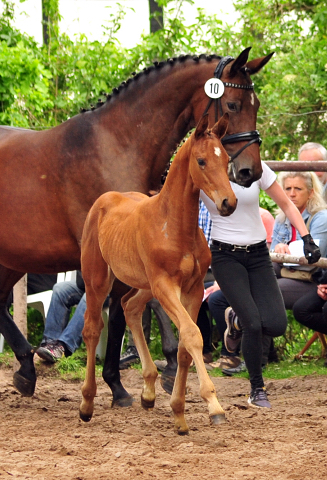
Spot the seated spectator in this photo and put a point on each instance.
(304, 189)
(311, 309)
(62, 336)
(315, 152)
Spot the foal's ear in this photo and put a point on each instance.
(220, 128)
(201, 126)
(255, 65)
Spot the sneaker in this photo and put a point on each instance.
(225, 361)
(258, 398)
(128, 358)
(232, 371)
(51, 352)
(233, 333)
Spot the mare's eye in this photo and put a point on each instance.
(232, 106)
(201, 162)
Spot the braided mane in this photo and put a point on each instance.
(156, 66)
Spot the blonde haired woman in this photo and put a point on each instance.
(304, 190)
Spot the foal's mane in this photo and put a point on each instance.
(157, 66)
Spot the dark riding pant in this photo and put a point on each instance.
(248, 281)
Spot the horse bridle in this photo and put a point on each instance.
(252, 136)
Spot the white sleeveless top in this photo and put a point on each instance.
(244, 226)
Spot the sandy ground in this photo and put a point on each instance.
(43, 438)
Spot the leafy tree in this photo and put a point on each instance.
(66, 74)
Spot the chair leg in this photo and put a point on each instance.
(314, 337)
(307, 345)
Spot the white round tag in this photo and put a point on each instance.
(214, 88)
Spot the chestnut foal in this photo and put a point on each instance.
(155, 246)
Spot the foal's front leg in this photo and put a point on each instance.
(192, 302)
(190, 346)
(134, 304)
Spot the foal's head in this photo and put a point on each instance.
(209, 162)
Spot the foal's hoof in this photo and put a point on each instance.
(167, 383)
(85, 418)
(217, 419)
(182, 432)
(123, 402)
(25, 386)
(146, 404)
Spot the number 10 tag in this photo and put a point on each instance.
(214, 88)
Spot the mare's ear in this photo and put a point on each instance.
(255, 65)
(239, 62)
(220, 128)
(201, 126)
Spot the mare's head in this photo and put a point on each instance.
(237, 97)
(209, 163)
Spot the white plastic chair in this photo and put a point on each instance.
(41, 301)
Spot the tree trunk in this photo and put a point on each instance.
(156, 16)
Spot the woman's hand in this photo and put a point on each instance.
(208, 291)
(282, 248)
(322, 291)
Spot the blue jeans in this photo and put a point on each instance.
(248, 281)
(57, 325)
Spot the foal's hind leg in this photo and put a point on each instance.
(133, 304)
(98, 282)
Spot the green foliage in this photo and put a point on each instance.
(266, 202)
(35, 326)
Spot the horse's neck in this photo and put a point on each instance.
(179, 198)
(156, 118)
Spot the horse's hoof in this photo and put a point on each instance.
(217, 419)
(146, 404)
(167, 383)
(123, 402)
(25, 386)
(85, 418)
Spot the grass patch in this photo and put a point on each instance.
(285, 369)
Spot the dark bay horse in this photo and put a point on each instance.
(155, 245)
(50, 179)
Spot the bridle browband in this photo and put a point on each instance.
(252, 136)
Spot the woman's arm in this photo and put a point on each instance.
(276, 192)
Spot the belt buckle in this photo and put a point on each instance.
(246, 248)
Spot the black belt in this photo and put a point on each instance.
(239, 248)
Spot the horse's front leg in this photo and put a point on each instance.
(25, 378)
(134, 303)
(169, 346)
(116, 330)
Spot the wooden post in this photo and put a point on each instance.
(20, 309)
